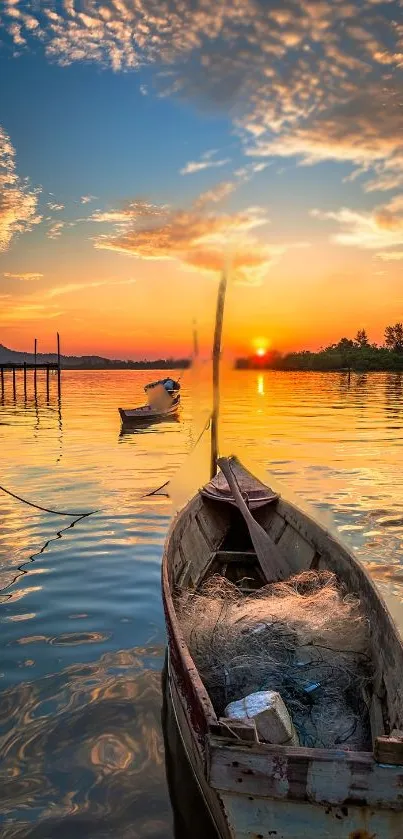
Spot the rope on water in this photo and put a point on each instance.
(155, 491)
(46, 509)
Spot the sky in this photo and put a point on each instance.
(148, 145)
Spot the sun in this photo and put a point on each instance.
(261, 345)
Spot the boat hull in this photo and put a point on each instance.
(258, 791)
(242, 815)
(145, 416)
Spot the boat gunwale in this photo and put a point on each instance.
(188, 666)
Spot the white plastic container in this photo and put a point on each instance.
(267, 709)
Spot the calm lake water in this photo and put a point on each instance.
(82, 627)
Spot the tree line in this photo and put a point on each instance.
(351, 354)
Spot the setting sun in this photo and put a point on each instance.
(261, 345)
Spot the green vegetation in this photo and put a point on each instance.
(357, 354)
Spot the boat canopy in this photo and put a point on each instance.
(169, 384)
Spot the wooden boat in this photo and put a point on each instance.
(147, 415)
(254, 790)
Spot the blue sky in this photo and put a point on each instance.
(144, 144)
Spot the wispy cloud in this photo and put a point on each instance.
(128, 212)
(24, 275)
(391, 256)
(379, 228)
(18, 201)
(198, 239)
(199, 165)
(71, 288)
(18, 312)
(55, 207)
(216, 194)
(55, 230)
(86, 199)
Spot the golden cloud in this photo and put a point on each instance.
(24, 275)
(378, 228)
(196, 238)
(18, 203)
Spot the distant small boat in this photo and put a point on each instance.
(146, 414)
(163, 404)
(253, 789)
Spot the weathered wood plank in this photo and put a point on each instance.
(376, 719)
(236, 556)
(194, 545)
(318, 775)
(292, 543)
(271, 521)
(258, 818)
(387, 647)
(389, 750)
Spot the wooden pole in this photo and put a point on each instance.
(58, 365)
(35, 346)
(216, 373)
(195, 341)
(2, 382)
(47, 383)
(25, 380)
(14, 385)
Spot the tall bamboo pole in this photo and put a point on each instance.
(216, 373)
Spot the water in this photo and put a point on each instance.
(82, 627)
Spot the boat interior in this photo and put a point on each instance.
(210, 537)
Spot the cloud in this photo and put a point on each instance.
(307, 79)
(55, 230)
(391, 256)
(55, 207)
(86, 199)
(378, 228)
(71, 288)
(196, 238)
(27, 275)
(27, 311)
(18, 201)
(198, 166)
(217, 193)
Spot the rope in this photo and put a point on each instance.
(46, 509)
(205, 428)
(21, 568)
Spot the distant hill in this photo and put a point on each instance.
(91, 362)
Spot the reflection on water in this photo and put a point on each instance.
(82, 750)
(80, 608)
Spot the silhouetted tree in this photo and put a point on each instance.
(394, 337)
(362, 338)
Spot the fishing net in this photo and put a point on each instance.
(304, 638)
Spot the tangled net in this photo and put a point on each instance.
(301, 637)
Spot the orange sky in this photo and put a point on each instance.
(119, 209)
(148, 308)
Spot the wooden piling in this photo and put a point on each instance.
(25, 380)
(14, 385)
(35, 346)
(2, 383)
(47, 383)
(58, 365)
